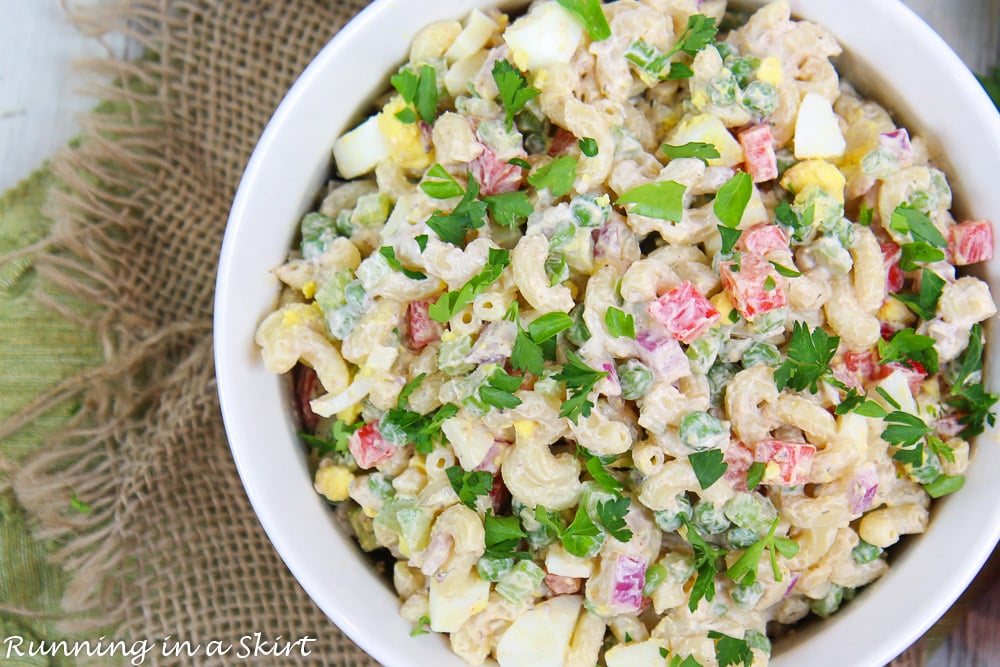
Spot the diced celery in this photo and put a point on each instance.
(539, 534)
(709, 518)
(491, 568)
(590, 210)
(381, 485)
(318, 231)
(879, 162)
(343, 300)
(746, 597)
(578, 334)
(635, 379)
(865, 553)
(760, 98)
(563, 235)
(372, 209)
(829, 603)
(750, 510)
(761, 353)
(758, 640)
(501, 140)
(670, 520)
(343, 223)
(452, 353)
(521, 582)
(331, 292)
(769, 323)
(411, 523)
(829, 253)
(700, 431)
(704, 350)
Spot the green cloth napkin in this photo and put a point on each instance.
(38, 348)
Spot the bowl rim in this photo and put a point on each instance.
(254, 464)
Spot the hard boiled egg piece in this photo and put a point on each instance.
(541, 637)
(548, 35)
(817, 129)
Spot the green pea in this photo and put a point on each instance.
(635, 379)
(760, 98)
(709, 519)
(670, 520)
(829, 603)
(746, 597)
(700, 431)
(865, 553)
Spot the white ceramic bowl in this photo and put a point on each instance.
(890, 53)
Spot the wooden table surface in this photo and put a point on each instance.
(38, 103)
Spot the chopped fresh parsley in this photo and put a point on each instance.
(403, 400)
(424, 431)
(418, 90)
(514, 89)
(744, 570)
(918, 252)
(699, 149)
(611, 514)
(729, 238)
(390, 256)
(588, 146)
(439, 184)
(908, 220)
(509, 209)
(809, 355)
(499, 390)
(970, 398)
(785, 271)
(904, 430)
(708, 466)
(595, 466)
(732, 199)
(340, 434)
(584, 537)
(924, 305)
(421, 242)
(469, 214)
(503, 535)
(700, 31)
(558, 176)
(705, 559)
(532, 347)
(660, 199)
(580, 380)
(906, 347)
(591, 14)
(755, 473)
(619, 323)
(469, 485)
(859, 403)
(730, 650)
(421, 628)
(450, 303)
(866, 215)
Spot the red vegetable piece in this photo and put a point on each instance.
(855, 369)
(684, 312)
(369, 447)
(423, 330)
(794, 459)
(970, 242)
(891, 254)
(762, 239)
(495, 176)
(560, 585)
(758, 147)
(915, 376)
(738, 459)
(753, 285)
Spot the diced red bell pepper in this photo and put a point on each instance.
(753, 285)
(307, 387)
(368, 446)
(495, 176)
(560, 585)
(758, 148)
(970, 242)
(794, 459)
(855, 369)
(684, 312)
(891, 253)
(422, 329)
(738, 459)
(915, 374)
(762, 239)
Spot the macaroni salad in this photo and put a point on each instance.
(632, 333)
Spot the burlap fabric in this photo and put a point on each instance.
(171, 546)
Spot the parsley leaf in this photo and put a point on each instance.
(340, 434)
(732, 199)
(499, 390)
(421, 628)
(404, 394)
(744, 570)
(439, 184)
(919, 251)
(558, 176)
(469, 485)
(611, 514)
(699, 32)
(509, 209)
(469, 214)
(866, 215)
(661, 199)
(906, 219)
(708, 466)
(971, 361)
(975, 403)
(424, 431)
(450, 303)
(503, 535)
(699, 149)
(809, 356)
(390, 256)
(755, 473)
(591, 15)
(729, 238)
(588, 146)
(419, 90)
(619, 323)
(580, 380)
(924, 305)
(527, 355)
(859, 403)
(581, 538)
(907, 346)
(785, 271)
(514, 89)
(679, 71)
(904, 430)
(595, 466)
(730, 650)
(705, 557)
(421, 242)
(548, 326)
